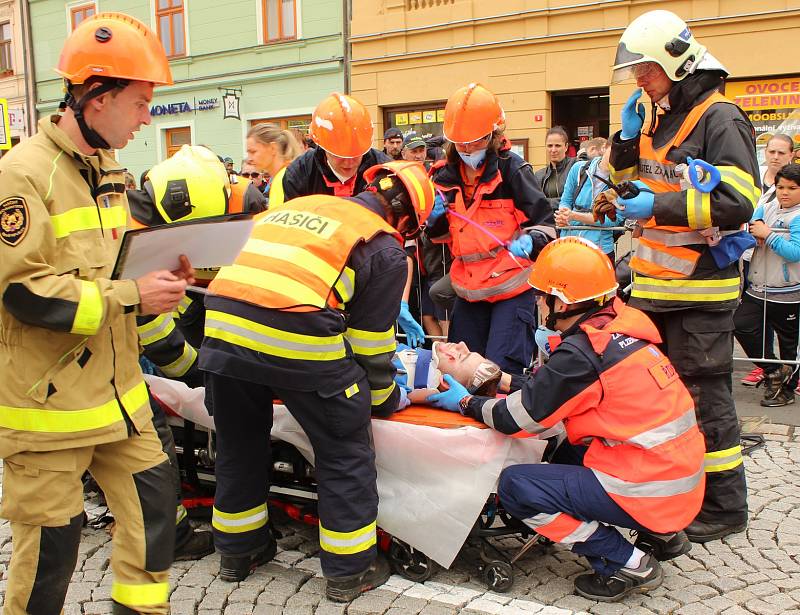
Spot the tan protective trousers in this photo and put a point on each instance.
(43, 499)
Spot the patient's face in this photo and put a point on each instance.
(457, 360)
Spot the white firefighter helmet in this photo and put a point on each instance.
(659, 37)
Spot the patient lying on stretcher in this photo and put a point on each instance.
(421, 371)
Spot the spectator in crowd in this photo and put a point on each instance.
(777, 154)
(228, 162)
(271, 148)
(553, 176)
(249, 173)
(580, 190)
(414, 148)
(393, 143)
(774, 288)
(592, 148)
(341, 127)
(302, 138)
(435, 149)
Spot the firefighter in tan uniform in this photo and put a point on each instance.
(73, 396)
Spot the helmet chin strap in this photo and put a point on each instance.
(92, 137)
(553, 316)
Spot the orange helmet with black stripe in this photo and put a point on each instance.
(407, 187)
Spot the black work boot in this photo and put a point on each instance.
(663, 546)
(235, 568)
(595, 586)
(700, 531)
(774, 384)
(345, 589)
(199, 544)
(784, 397)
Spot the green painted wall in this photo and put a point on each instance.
(276, 80)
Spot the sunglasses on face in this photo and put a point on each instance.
(251, 175)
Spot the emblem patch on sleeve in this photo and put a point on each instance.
(13, 220)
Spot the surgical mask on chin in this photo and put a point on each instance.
(475, 159)
(542, 337)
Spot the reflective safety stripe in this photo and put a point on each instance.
(89, 315)
(475, 257)
(157, 329)
(351, 390)
(271, 282)
(649, 489)
(698, 208)
(726, 289)
(520, 414)
(378, 396)
(237, 523)
(719, 461)
(347, 543)
(677, 239)
(147, 594)
(294, 255)
(72, 421)
(661, 172)
(346, 284)
(182, 364)
(561, 527)
(248, 334)
(180, 514)
(487, 412)
(618, 175)
(742, 181)
(666, 432)
(86, 219)
(183, 305)
(487, 291)
(371, 342)
(665, 259)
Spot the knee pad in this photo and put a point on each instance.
(155, 488)
(58, 555)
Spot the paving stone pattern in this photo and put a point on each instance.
(757, 571)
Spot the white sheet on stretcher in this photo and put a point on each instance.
(432, 482)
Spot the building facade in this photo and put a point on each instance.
(14, 72)
(268, 59)
(550, 61)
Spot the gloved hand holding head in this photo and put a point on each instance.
(407, 192)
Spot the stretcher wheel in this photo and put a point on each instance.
(410, 563)
(498, 575)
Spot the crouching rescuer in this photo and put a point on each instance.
(634, 456)
(306, 315)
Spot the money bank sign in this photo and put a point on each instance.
(184, 106)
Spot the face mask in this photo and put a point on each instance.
(542, 337)
(475, 159)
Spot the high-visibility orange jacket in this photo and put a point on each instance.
(672, 264)
(506, 203)
(617, 393)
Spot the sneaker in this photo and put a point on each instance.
(753, 378)
(235, 568)
(346, 589)
(595, 586)
(199, 544)
(775, 390)
(784, 397)
(663, 546)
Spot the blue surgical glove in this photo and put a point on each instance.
(439, 208)
(448, 400)
(522, 246)
(639, 207)
(632, 116)
(415, 335)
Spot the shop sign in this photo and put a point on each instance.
(176, 108)
(16, 119)
(772, 105)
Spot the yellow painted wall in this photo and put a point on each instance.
(413, 51)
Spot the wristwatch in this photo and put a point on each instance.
(463, 404)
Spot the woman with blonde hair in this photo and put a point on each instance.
(271, 149)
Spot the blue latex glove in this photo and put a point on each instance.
(448, 400)
(439, 208)
(522, 246)
(632, 116)
(639, 207)
(415, 335)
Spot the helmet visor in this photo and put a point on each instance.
(640, 70)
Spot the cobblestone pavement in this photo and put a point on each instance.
(753, 572)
